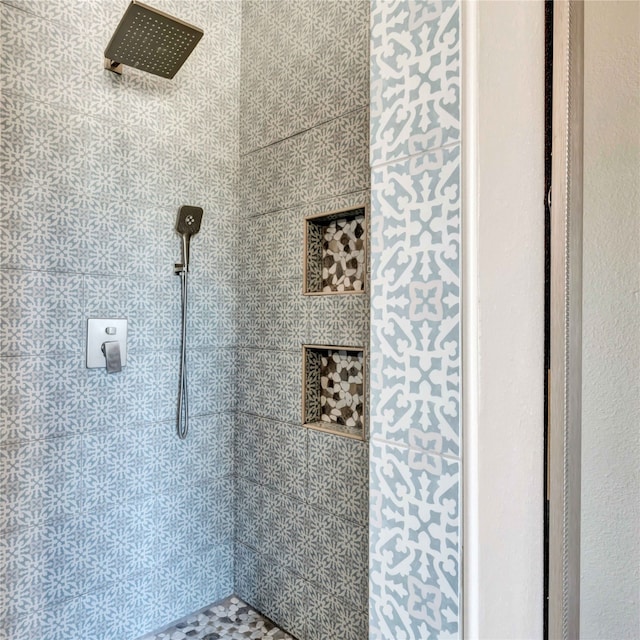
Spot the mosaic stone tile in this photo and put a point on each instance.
(343, 261)
(336, 253)
(231, 619)
(334, 392)
(342, 389)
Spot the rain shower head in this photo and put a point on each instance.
(150, 40)
(187, 225)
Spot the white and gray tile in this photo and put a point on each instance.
(231, 619)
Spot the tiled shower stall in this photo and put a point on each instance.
(110, 526)
(301, 494)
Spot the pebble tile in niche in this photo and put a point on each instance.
(231, 619)
(341, 397)
(334, 389)
(336, 252)
(343, 255)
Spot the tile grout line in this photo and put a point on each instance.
(417, 154)
(446, 456)
(303, 204)
(303, 131)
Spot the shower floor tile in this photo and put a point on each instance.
(231, 619)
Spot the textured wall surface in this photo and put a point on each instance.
(109, 525)
(301, 504)
(415, 340)
(610, 551)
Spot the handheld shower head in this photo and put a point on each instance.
(187, 225)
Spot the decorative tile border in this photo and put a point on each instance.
(414, 543)
(415, 267)
(414, 583)
(415, 77)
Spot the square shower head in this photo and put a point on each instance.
(151, 40)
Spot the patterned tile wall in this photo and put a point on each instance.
(414, 561)
(110, 526)
(301, 495)
(306, 62)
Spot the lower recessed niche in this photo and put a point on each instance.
(334, 389)
(335, 257)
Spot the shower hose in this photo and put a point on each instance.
(182, 424)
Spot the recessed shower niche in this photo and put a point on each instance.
(335, 255)
(334, 389)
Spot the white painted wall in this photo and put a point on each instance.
(610, 553)
(503, 89)
(503, 317)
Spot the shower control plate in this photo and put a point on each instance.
(101, 330)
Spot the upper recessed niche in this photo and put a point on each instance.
(335, 257)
